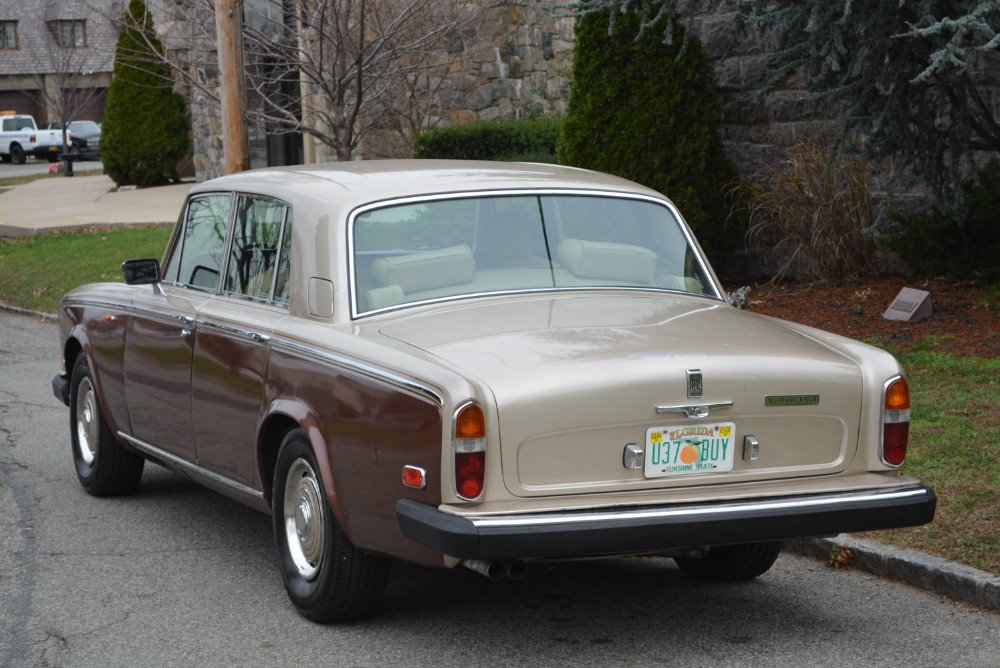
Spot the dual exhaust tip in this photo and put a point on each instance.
(511, 569)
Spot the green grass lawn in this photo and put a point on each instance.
(954, 434)
(35, 272)
(953, 447)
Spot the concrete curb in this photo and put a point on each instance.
(28, 312)
(935, 574)
(14, 232)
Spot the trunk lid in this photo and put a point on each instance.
(578, 378)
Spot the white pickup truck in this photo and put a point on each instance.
(20, 137)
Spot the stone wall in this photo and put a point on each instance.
(759, 124)
(519, 64)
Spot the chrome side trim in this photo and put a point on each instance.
(367, 369)
(212, 475)
(236, 331)
(90, 301)
(563, 518)
(693, 410)
(131, 309)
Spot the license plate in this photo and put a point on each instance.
(690, 449)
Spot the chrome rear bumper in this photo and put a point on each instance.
(625, 530)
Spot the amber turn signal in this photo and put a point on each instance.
(897, 396)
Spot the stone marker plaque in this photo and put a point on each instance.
(910, 304)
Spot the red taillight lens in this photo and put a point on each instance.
(469, 470)
(470, 451)
(896, 422)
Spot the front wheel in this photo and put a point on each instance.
(327, 578)
(103, 466)
(732, 563)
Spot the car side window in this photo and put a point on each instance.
(197, 258)
(254, 267)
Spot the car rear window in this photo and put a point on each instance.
(446, 248)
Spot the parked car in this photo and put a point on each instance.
(84, 138)
(20, 137)
(477, 364)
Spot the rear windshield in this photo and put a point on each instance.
(447, 248)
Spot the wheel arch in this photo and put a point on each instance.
(78, 344)
(283, 416)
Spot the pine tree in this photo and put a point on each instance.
(145, 129)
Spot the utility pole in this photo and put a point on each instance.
(232, 91)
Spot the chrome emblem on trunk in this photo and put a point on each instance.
(694, 382)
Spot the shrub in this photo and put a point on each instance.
(814, 215)
(526, 140)
(145, 129)
(946, 242)
(648, 111)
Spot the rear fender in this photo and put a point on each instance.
(306, 418)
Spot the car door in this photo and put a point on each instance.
(159, 342)
(231, 341)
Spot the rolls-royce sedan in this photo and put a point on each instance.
(474, 364)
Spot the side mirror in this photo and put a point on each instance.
(141, 272)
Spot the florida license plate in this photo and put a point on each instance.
(691, 448)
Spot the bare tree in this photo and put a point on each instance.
(333, 70)
(65, 85)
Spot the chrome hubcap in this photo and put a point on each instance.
(86, 421)
(304, 521)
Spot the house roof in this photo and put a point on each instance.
(38, 52)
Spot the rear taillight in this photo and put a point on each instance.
(895, 421)
(470, 451)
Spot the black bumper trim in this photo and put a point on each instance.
(633, 529)
(60, 388)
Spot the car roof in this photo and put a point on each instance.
(354, 183)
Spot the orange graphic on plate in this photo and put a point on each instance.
(689, 455)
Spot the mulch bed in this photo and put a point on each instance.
(966, 313)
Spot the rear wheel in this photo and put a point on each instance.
(17, 155)
(732, 563)
(103, 466)
(327, 578)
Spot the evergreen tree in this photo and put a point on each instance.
(646, 109)
(145, 129)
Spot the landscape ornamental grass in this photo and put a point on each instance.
(812, 215)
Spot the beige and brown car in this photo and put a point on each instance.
(478, 364)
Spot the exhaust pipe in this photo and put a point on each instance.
(494, 570)
(516, 569)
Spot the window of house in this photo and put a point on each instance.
(69, 33)
(8, 34)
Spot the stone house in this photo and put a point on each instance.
(57, 53)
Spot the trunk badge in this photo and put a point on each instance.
(694, 383)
